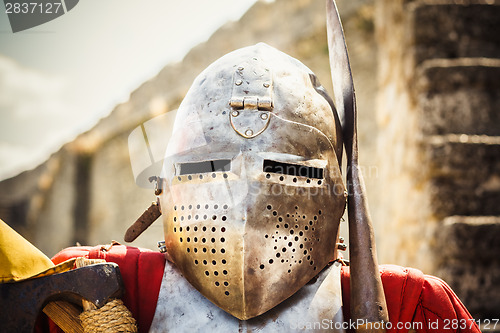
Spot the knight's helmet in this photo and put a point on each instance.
(251, 190)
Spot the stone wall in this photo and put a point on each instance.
(439, 135)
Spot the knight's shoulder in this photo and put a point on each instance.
(413, 296)
(394, 274)
(113, 252)
(141, 270)
(406, 281)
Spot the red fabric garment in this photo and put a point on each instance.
(412, 297)
(414, 300)
(141, 270)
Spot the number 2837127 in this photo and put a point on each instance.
(33, 8)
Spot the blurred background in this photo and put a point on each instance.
(427, 82)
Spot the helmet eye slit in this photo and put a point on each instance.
(270, 166)
(204, 167)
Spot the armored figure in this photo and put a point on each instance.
(251, 195)
(252, 213)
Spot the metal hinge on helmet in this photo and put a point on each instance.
(251, 100)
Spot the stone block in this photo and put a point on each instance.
(471, 240)
(456, 30)
(464, 175)
(460, 97)
(466, 250)
(477, 287)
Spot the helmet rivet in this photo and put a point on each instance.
(266, 85)
(235, 113)
(248, 132)
(238, 82)
(341, 247)
(264, 116)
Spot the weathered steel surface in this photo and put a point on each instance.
(143, 222)
(367, 293)
(316, 303)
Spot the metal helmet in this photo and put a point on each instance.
(252, 189)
